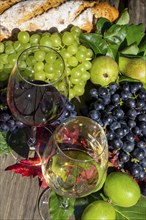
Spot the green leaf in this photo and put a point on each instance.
(132, 49)
(56, 211)
(116, 34)
(4, 147)
(123, 78)
(102, 25)
(112, 50)
(135, 33)
(136, 212)
(95, 41)
(124, 18)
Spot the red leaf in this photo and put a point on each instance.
(30, 167)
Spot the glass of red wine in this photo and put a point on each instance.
(37, 89)
(74, 162)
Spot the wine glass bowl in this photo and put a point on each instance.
(74, 163)
(37, 85)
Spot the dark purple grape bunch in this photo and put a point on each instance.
(7, 121)
(69, 111)
(121, 110)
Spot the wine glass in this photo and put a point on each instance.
(74, 162)
(37, 88)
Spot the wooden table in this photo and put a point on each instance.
(18, 195)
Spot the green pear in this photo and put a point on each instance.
(123, 61)
(104, 70)
(136, 69)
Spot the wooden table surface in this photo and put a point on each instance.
(18, 195)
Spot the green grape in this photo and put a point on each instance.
(76, 30)
(75, 80)
(87, 64)
(68, 71)
(46, 41)
(85, 76)
(82, 48)
(89, 53)
(8, 43)
(61, 86)
(29, 73)
(72, 49)
(22, 64)
(23, 37)
(40, 75)
(59, 64)
(65, 54)
(67, 38)
(39, 55)
(78, 90)
(26, 46)
(9, 49)
(72, 61)
(49, 67)
(12, 58)
(81, 67)
(71, 93)
(56, 40)
(50, 57)
(2, 47)
(80, 55)
(76, 73)
(34, 39)
(4, 58)
(49, 76)
(17, 45)
(46, 34)
(39, 66)
(30, 61)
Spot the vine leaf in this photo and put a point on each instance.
(136, 212)
(56, 211)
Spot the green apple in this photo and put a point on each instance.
(104, 70)
(122, 189)
(99, 210)
(136, 69)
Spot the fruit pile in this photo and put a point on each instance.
(77, 57)
(121, 110)
(127, 195)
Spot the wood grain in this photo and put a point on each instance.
(19, 195)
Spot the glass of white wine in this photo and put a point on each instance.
(74, 163)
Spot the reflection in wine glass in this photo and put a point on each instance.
(37, 88)
(74, 163)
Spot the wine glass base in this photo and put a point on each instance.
(43, 206)
(18, 142)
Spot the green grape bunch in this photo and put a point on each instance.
(77, 57)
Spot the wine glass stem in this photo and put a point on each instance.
(64, 203)
(32, 140)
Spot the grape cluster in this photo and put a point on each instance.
(69, 111)
(7, 121)
(121, 110)
(76, 56)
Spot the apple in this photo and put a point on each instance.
(104, 70)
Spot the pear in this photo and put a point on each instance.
(123, 61)
(136, 69)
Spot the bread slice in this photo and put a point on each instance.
(35, 15)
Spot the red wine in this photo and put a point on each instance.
(34, 103)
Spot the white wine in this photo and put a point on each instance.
(74, 173)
